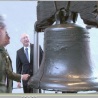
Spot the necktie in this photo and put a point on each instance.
(26, 52)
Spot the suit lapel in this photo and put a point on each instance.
(31, 52)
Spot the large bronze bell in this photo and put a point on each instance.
(66, 64)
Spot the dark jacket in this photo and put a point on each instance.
(22, 64)
(6, 72)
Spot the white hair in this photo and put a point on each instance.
(2, 25)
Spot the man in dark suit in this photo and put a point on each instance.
(24, 61)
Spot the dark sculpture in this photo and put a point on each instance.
(66, 65)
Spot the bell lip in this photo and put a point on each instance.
(66, 86)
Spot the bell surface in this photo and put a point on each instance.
(66, 64)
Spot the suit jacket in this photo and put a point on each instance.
(22, 64)
(6, 72)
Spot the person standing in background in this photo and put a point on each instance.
(24, 61)
(6, 71)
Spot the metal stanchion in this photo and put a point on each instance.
(36, 57)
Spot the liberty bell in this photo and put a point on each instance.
(66, 64)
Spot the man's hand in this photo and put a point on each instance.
(18, 84)
(25, 76)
